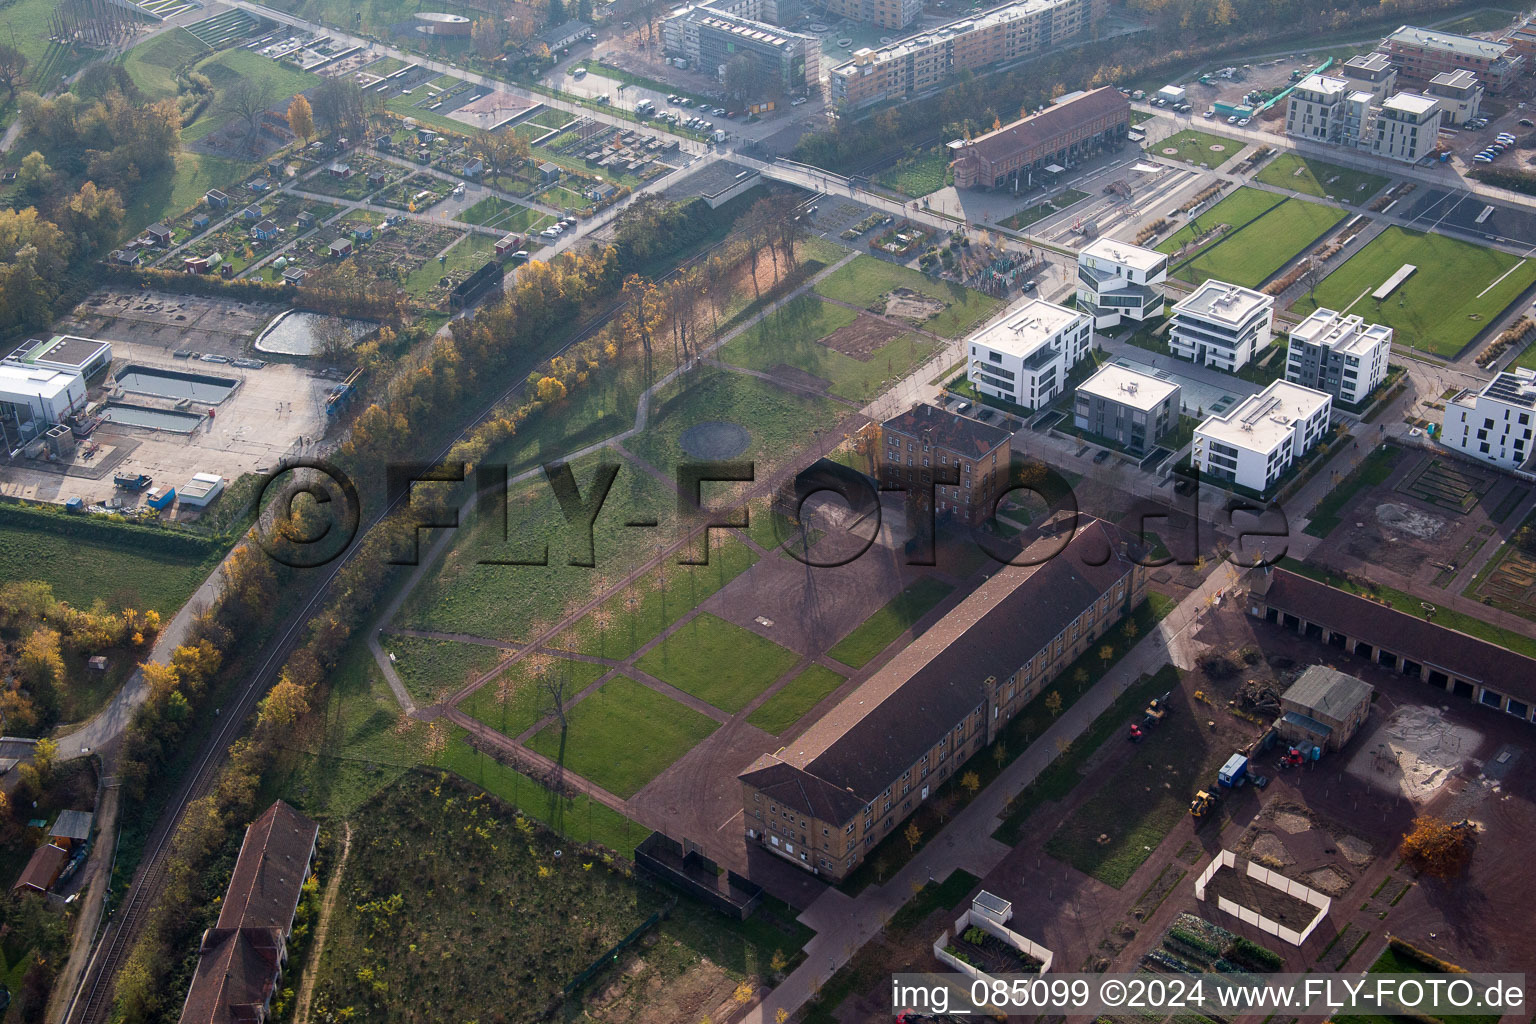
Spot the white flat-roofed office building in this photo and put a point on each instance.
(1494, 423)
(1222, 325)
(1253, 443)
(1407, 127)
(1025, 357)
(1342, 355)
(1315, 109)
(1129, 407)
(1118, 281)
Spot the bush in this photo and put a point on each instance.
(1197, 943)
(1251, 954)
(974, 935)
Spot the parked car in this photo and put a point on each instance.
(797, 101)
(1210, 111)
(1526, 122)
(1232, 119)
(1242, 121)
(718, 111)
(1102, 457)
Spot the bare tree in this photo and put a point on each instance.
(248, 99)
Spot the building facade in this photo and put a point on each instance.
(1407, 127)
(1324, 707)
(713, 34)
(827, 799)
(1061, 135)
(1117, 281)
(1421, 54)
(1491, 676)
(1493, 423)
(1404, 126)
(1459, 94)
(891, 14)
(954, 465)
(1025, 357)
(1253, 443)
(1372, 73)
(922, 62)
(1222, 325)
(1341, 355)
(1131, 408)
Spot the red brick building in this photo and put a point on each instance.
(1062, 134)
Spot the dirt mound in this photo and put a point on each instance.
(1329, 881)
(911, 305)
(860, 339)
(1407, 520)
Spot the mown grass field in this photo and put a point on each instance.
(505, 215)
(795, 699)
(513, 702)
(867, 279)
(433, 669)
(1251, 255)
(83, 571)
(717, 661)
(152, 64)
(623, 735)
(1319, 178)
(1194, 147)
(471, 252)
(1458, 290)
(792, 334)
(1240, 208)
(877, 632)
(231, 66)
(469, 592)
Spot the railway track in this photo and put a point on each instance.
(93, 998)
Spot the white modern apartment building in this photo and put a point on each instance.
(1494, 424)
(1222, 325)
(1405, 126)
(1372, 73)
(1118, 281)
(1025, 357)
(1459, 94)
(1342, 355)
(1254, 442)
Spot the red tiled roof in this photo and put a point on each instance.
(273, 862)
(1046, 127)
(43, 869)
(949, 430)
(236, 973)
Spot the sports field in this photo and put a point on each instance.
(1238, 209)
(1249, 256)
(1319, 178)
(1458, 291)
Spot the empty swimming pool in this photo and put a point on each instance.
(199, 387)
(156, 419)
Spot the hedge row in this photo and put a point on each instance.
(163, 539)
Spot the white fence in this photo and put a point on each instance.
(1019, 942)
(1228, 859)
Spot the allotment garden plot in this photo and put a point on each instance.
(1458, 290)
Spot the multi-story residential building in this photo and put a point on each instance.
(1522, 42)
(1024, 358)
(1421, 54)
(1062, 135)
(1118, 281)
(891, 14)
(1342, 355)
(1405, 126)
(1253, 443)
(1494, 422)
(952, 464)
(1222, 325)
(1459, 94)
(850, 780)
(922, 62)
(712, 34)
(1372, 73)
(1129, 407)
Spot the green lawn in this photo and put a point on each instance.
(226, 68)
(1194, 147)
(780, 423)
(877, 632)
(512, 702)
(195, 174)
(792, 334)
(505, 215)
(1239, 209)
(866, 281)
(467, 255)
(1318, 178)
(919, 175)
(1440, 308)
(1527, 358)
(624, 735)
(1249, 256)
(152, 65)
(797, 697)
(434, 669)
(626, 622)
(83, 571)
(474, 591)
(718, 662)
(1140, 804)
